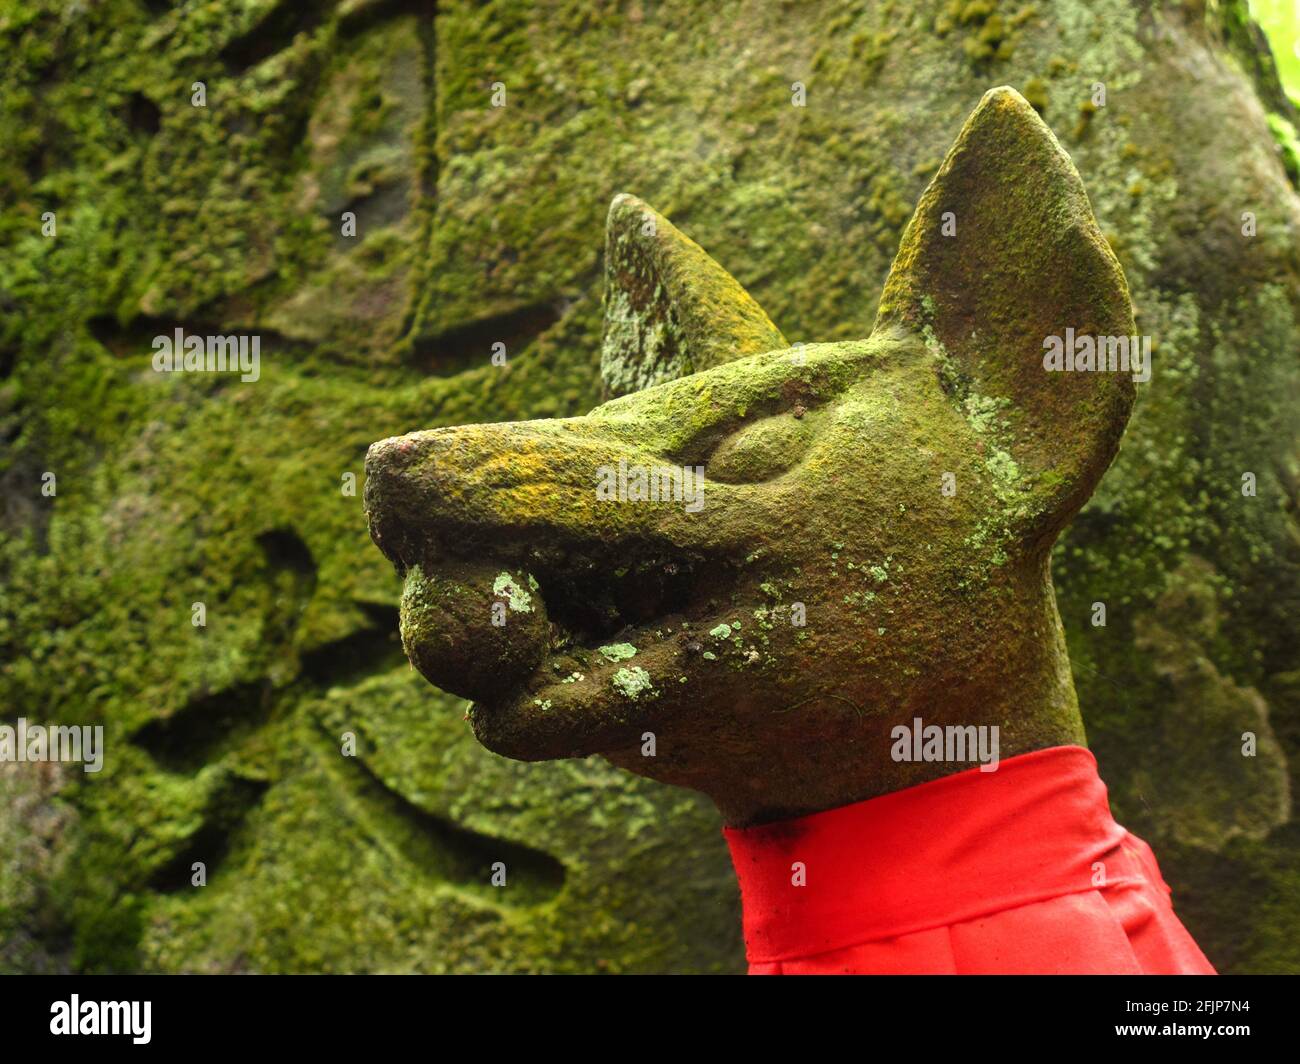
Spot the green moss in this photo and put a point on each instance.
(1288, 147)
(1036, 92)
(670, 309)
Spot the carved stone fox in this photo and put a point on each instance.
(869, 553)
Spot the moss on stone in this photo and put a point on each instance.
(670, 309)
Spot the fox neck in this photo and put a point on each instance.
(1023, 701)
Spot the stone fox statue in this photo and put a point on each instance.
(813, 581)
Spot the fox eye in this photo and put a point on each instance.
(761, 450)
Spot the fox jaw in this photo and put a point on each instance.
(874, 522)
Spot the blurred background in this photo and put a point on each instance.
(1280, 20)
(198, 160)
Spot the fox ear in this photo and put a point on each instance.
(1002, 254)
(670, 310)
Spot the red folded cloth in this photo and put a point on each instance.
(1020, 870)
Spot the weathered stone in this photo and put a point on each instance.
(958, 622)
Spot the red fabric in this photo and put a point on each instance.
(1020, 870)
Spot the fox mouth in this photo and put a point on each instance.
(566, 644)
(562, 652)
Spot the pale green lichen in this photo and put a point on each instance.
(519, 600)
(982, 412)
(617, 651)
(632, 683)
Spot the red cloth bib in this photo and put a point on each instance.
(1020, 870)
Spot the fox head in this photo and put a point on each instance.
(745, 569)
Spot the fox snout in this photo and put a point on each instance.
(522, 586)
(449, 487)
(751, 562)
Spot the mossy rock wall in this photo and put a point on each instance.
(478, 224)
